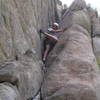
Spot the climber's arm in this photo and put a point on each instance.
(51, 36)
(59, 30)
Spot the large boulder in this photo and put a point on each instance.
(59, 10)
(20, 43)
(96, 48)
(20, 21)
(96, 37)
(95, 27)
(25, 74)
(80, 17)
(72, 68)
(8, 92)
(75, 6)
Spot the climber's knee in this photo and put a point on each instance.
(47, 47)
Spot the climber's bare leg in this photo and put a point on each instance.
(46, 52)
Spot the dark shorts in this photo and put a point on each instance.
(50, 42)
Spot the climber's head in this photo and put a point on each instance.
(55, 25)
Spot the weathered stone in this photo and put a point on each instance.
(76, 6)
(20, 42)
(72, 61)
(19, 22)
(9, 92)
(37, 97)
(80, 17)
(72, 72)
(95, 26)
(59, 10)
(26, 74)
(74, 91)
(96, 46)
(92, 13)
(72, 68)
(73, 64)
(96, 38)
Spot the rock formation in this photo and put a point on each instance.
(20, 46)
(96, 34)
(72, 69)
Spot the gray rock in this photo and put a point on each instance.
(26, 74)
(79, 17)
(71, 62)
(8, 92)
(96, 46)
(72, 68)
(20, 43)
(76, 6)
(95, 26)
(96, 37)
(37, 97)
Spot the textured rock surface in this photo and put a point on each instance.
(26, 74)
(20, 21)
(72, 68)
(20, 44)
(8, 92)
(95, 33)
(59, 10)
(96, 47)
(96, 43)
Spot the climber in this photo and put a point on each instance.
(51, 39)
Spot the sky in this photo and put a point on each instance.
(94, 3)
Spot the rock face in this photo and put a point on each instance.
(95, 30)
(8, 92)
(96, 37)
(59, 10)
(26, 74)
(72, 69)
(20, 45)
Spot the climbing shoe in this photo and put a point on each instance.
(44, 61)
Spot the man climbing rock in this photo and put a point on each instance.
(51, 39)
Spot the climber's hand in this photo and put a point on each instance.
(41, 31)
(64, 29)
